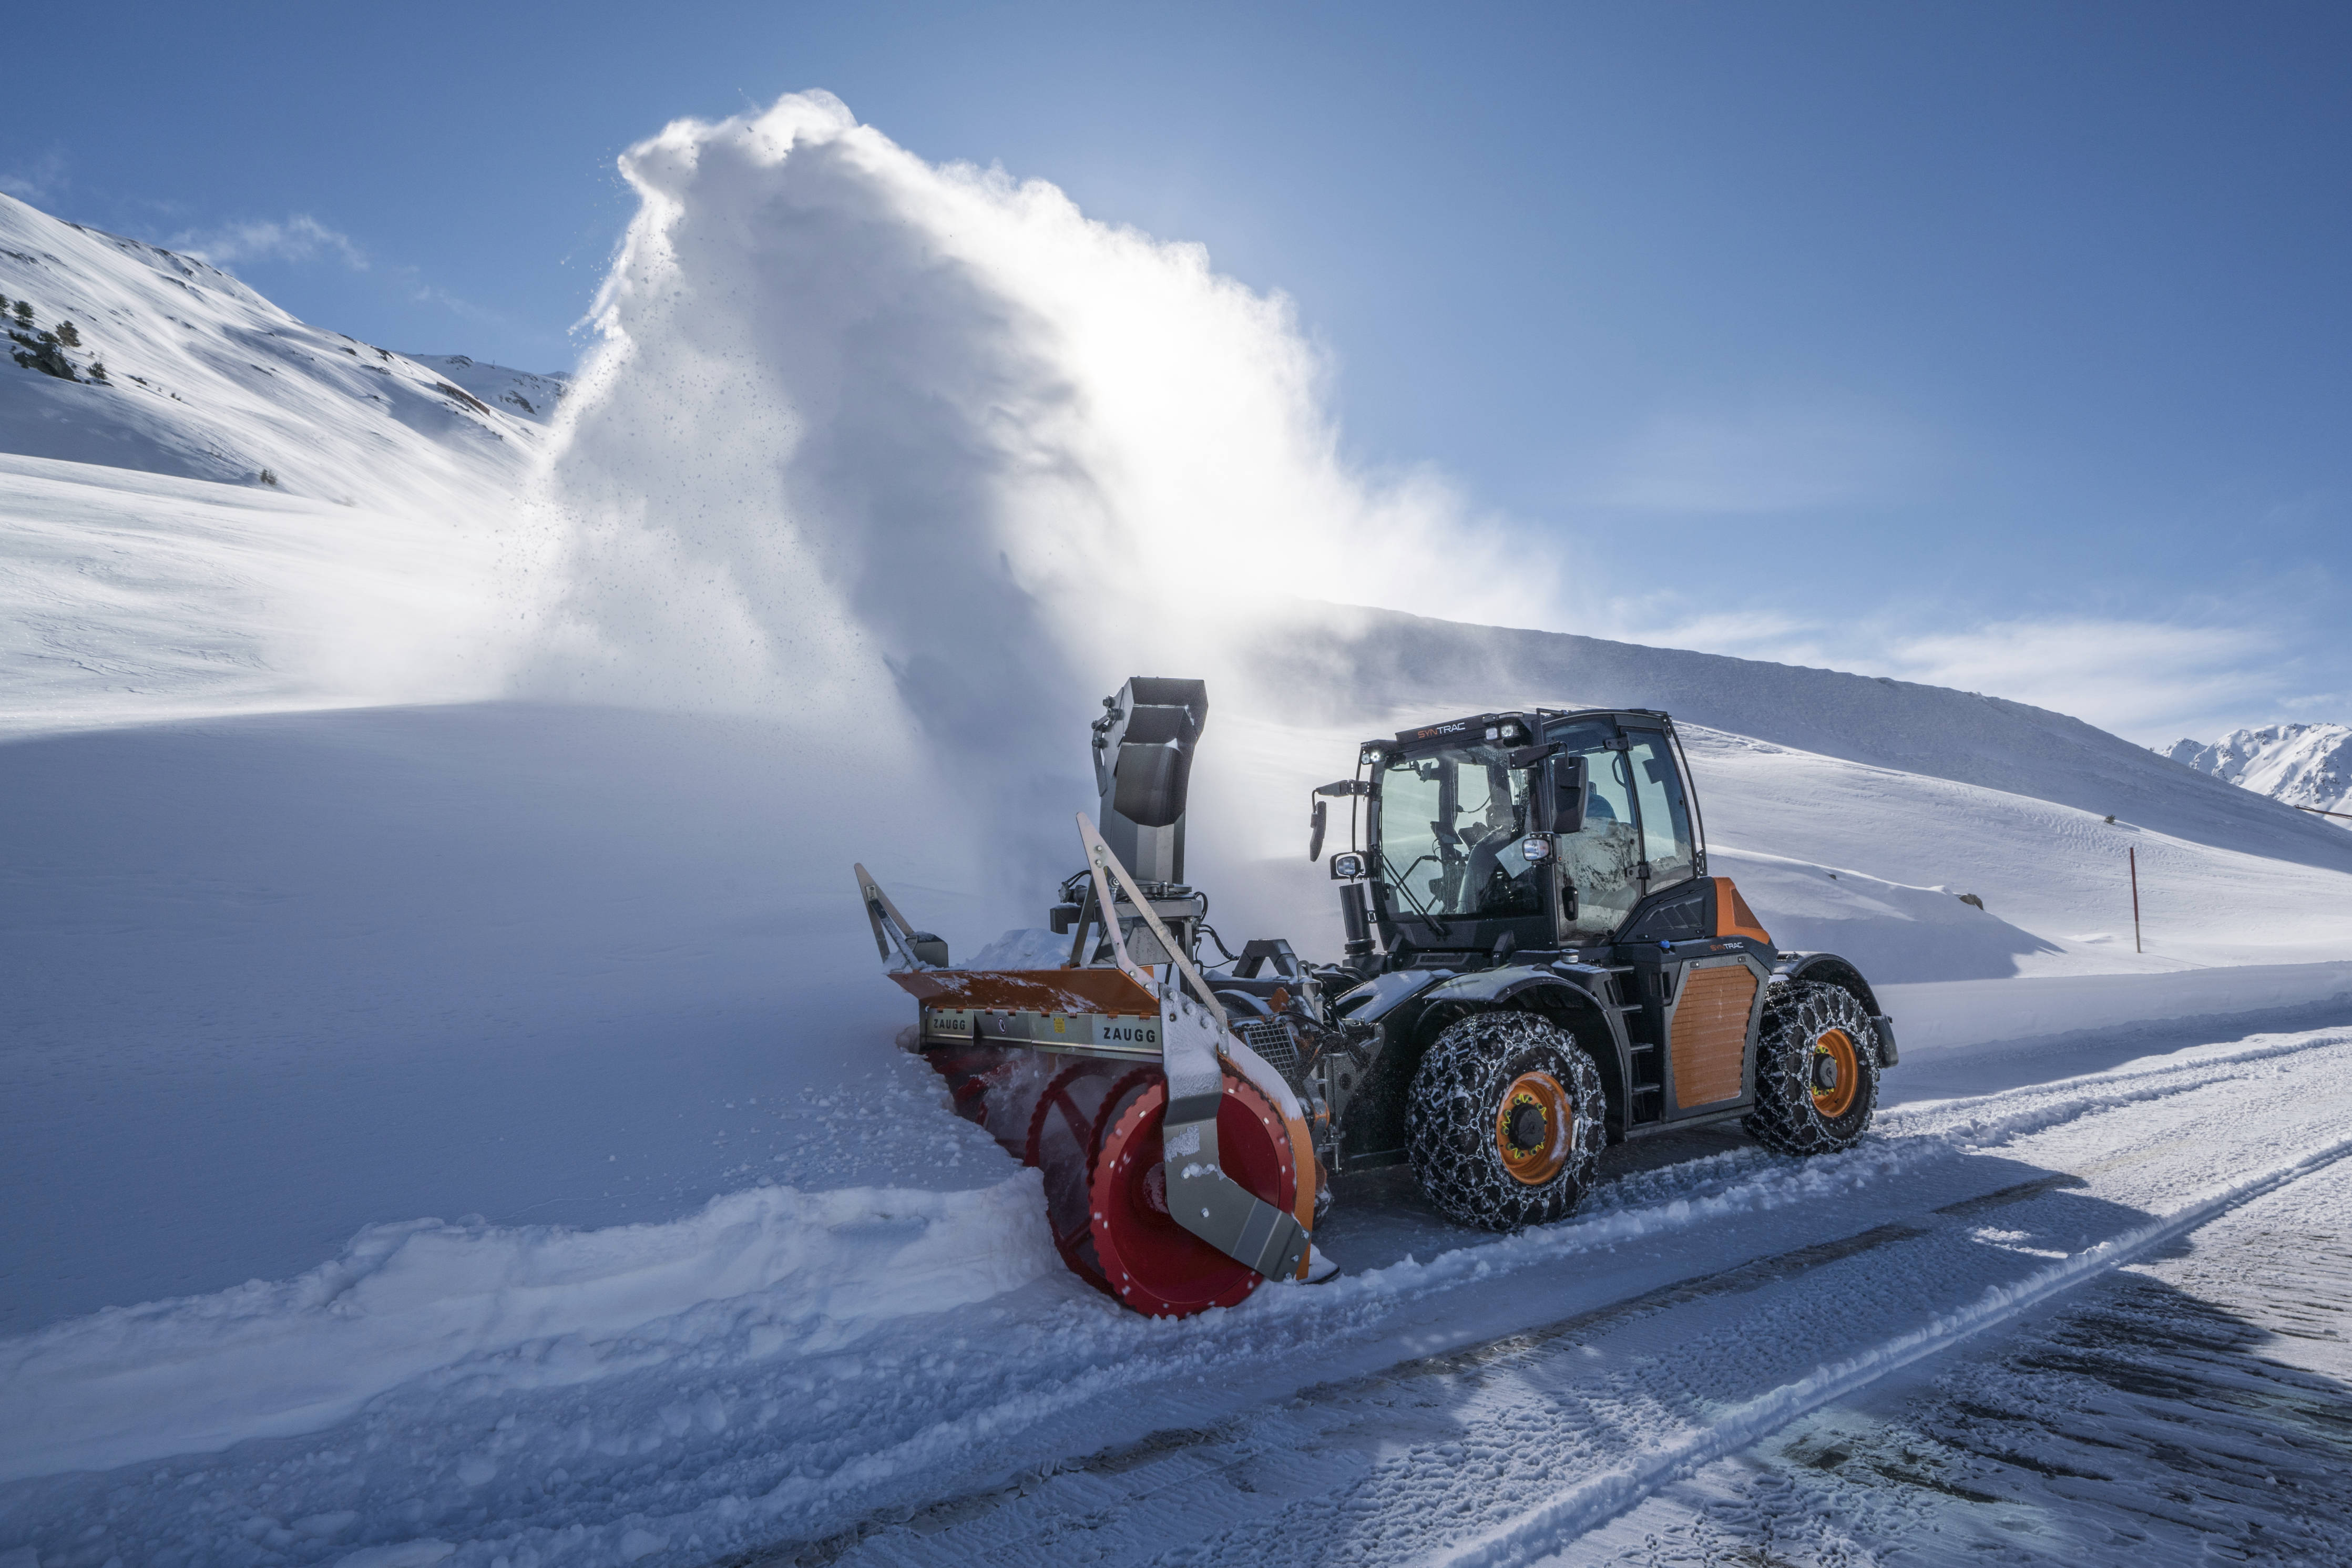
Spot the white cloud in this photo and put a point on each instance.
(2147, 679)
(297, 238)
(1783, 457)
(2153, 680)
(36, 180)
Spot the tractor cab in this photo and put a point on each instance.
(1514, 832)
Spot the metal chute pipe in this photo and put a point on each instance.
(1143, 746)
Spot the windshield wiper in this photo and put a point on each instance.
(1396, 880)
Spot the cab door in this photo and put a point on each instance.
(1601, 862)
(1703, 1002)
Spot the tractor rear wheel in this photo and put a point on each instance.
(1816, 1070)
(1505, 1122)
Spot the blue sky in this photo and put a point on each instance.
(2003, 346)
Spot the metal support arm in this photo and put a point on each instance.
(1201, 1197)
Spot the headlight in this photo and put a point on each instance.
(1535, 847)
(1347, 865)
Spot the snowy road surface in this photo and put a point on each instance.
(1500, 1401)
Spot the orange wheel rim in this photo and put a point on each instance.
(1835, 1057)
(1532, 1128)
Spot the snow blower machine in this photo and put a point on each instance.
(1537, 964)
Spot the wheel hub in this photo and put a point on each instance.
(1528, 1127)
(1836, 1072)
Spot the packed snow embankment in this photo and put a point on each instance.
(267, 980)
(134, 596)
(541, 1306)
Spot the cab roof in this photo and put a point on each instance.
(1475, 725)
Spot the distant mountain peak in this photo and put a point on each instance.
(2300, 764)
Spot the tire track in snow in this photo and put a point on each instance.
(1599, 1498)
(1974, 1125)
(1759, 1182)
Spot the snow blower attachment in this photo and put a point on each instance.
(1554, 971)
(1179, 1168)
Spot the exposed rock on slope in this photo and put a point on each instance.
(512, 392)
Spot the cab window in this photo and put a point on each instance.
(1666, 842)
(1602, 862)
(1452, 821)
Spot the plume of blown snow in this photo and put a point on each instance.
(926, 451)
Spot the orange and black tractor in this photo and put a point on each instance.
(1537, 963)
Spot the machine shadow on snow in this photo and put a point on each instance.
(2132, 1409)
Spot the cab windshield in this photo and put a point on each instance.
(1451, 823)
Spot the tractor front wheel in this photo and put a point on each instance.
(1816, 1070)
(1505, 1122)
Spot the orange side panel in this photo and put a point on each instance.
(1302, 1155)
(1109, 991)
(1732, 916)
(1710, 1041)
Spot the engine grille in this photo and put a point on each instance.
(1271, 1039)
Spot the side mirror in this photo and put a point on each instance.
(1567, 795)
(1346, 866)
(1344, 787)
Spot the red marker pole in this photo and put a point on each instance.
(2133, 855)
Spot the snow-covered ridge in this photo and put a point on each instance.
(133, 355)
(2300, 764)
(509, 391)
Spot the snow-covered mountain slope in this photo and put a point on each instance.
(1854, 811)
(180, 368)
(209, 507)
(522, 392)
(2300, 764)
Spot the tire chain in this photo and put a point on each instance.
(1450, 1120)
(1786, 1118)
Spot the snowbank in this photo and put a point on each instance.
(269, 1360)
